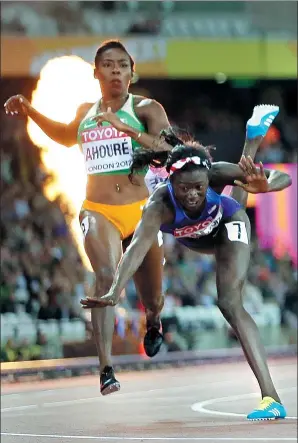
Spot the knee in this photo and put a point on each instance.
(228, 307)
(230, 302)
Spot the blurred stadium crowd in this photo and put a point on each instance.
(42, 276)
(160, 18)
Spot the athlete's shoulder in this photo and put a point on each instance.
(160, 191)
(141, 101)
(152, 113)
(157, 204)
(159, 194)
(157, 199)
(216, 169)
(82, 110)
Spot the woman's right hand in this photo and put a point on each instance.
(17, 105)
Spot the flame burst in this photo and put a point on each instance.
(64, 84)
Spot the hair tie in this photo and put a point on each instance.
(184, 161)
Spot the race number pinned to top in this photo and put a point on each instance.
(106, 149)
(237, 231)
(85, 225)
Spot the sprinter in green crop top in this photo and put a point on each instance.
(107, 150)
(113, 205)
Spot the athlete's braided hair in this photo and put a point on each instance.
(113, 44)
(183, 146)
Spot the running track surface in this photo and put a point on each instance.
(204, 403)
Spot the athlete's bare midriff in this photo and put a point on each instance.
(103, 189)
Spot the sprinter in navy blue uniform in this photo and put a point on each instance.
(189, 206)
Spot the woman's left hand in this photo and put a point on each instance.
(255, 177)
(110, 117)
(110, 299)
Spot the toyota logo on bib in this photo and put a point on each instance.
(194, 230)
(203, 227)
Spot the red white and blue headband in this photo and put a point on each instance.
(184, 161)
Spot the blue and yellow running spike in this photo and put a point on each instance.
(269, 409)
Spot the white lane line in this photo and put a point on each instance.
(19, 408)
(200, 406)
(31, 393)
(70, 388)
(140, 439)
(119, 396)
(54, 404)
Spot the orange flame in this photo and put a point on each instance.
(64, 84)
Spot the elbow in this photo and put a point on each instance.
(67, 143)
(281, 182)
(67, 137)
(63, 140)
(66, 140)
(287, 179)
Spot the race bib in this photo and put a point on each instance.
(106, 149)
(201, 228)
(85, 225)
(237, 231)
